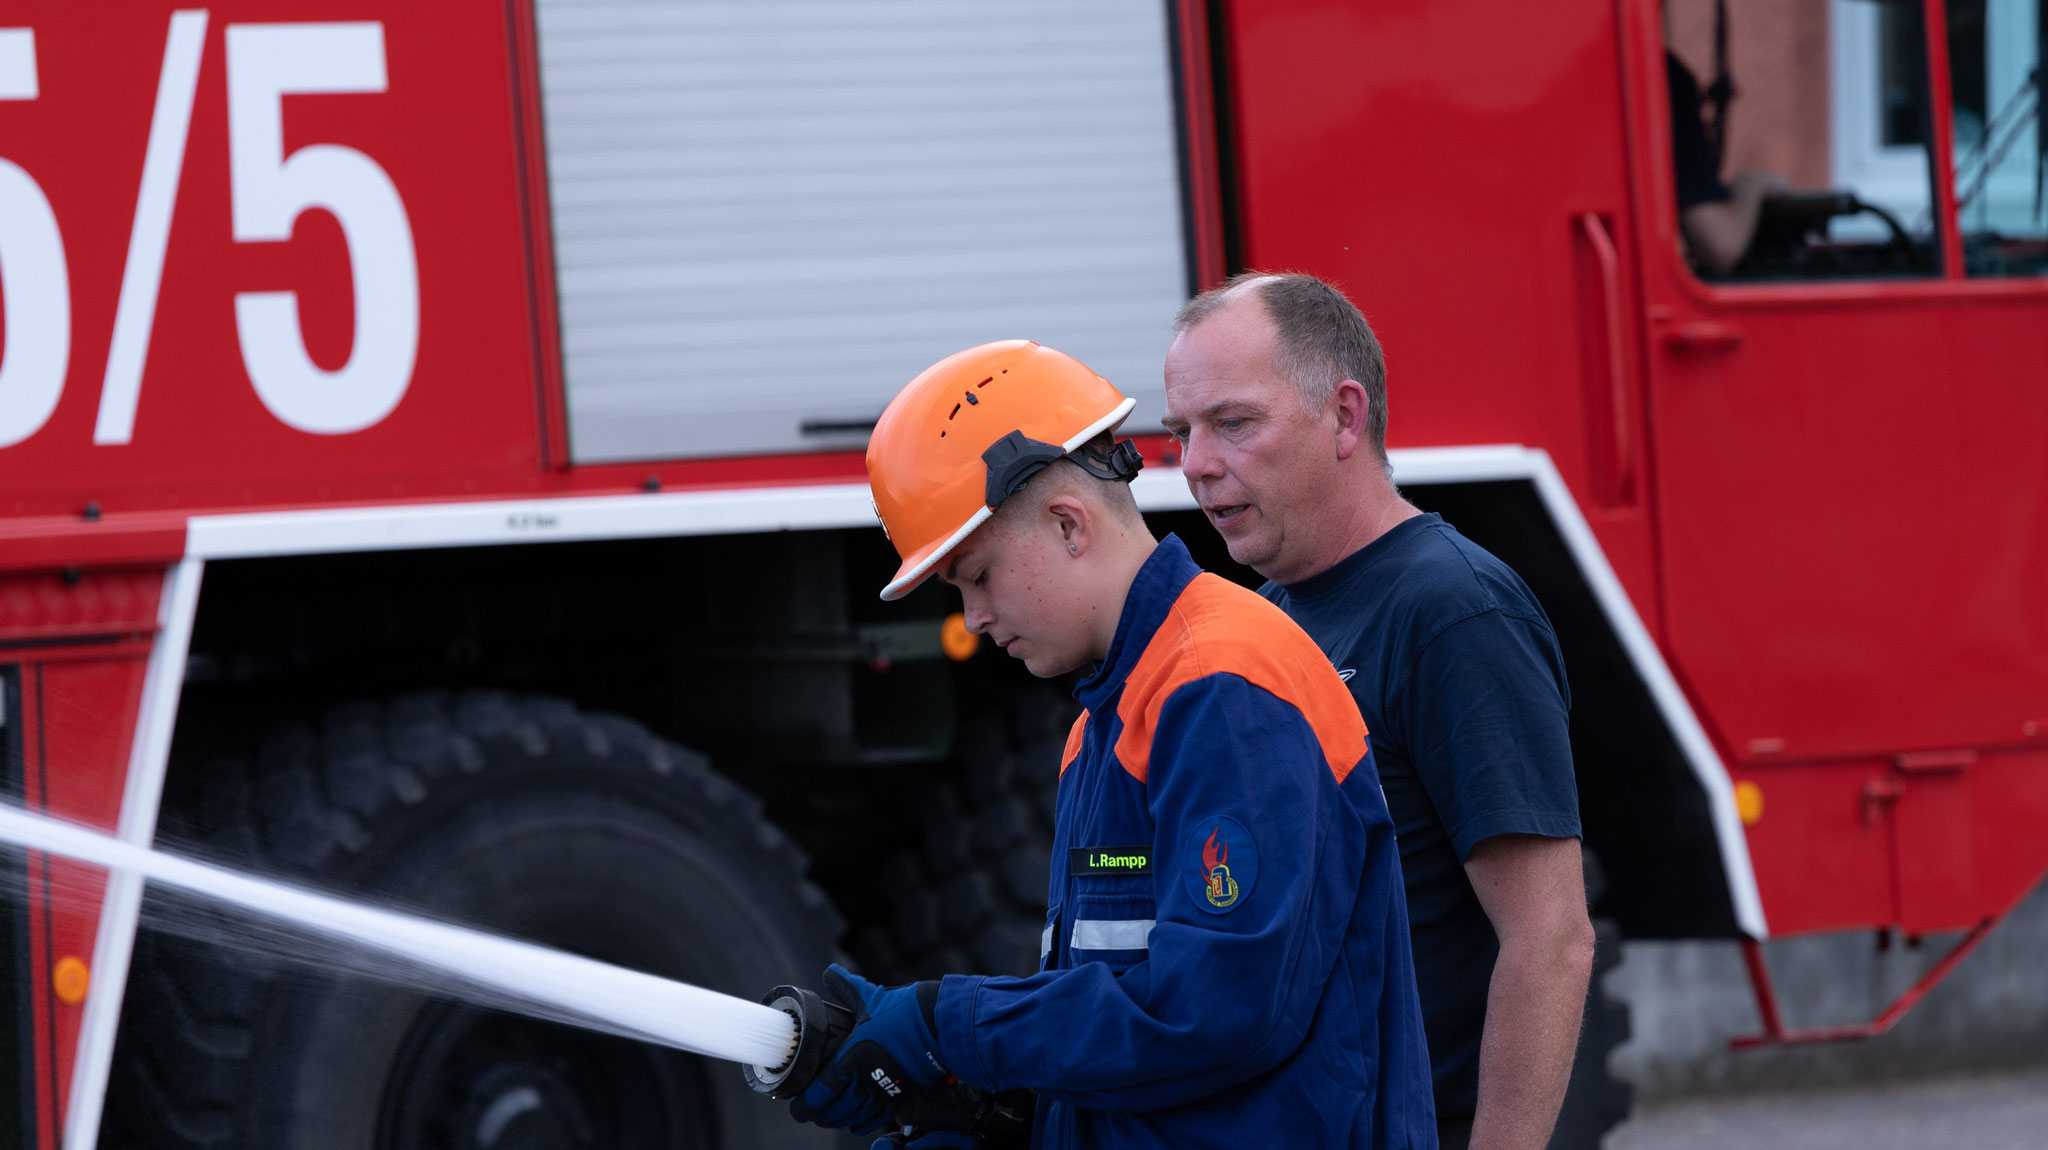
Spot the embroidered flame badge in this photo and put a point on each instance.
(1218, 885)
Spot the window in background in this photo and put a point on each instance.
(1878, 132)
(1901, 70)
(1995, 51)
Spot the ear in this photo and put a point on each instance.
(1073, 519)
(1349, 403)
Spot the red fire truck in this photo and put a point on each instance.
(430, 470)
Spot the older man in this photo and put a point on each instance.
(1275, 387)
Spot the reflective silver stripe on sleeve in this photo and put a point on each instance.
(1045, 942)
(1112, 933)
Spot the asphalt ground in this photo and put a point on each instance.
(1984, 1111)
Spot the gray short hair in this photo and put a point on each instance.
(1320, 339)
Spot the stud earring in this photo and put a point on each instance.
(1074, 547)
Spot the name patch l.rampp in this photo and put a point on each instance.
(1109, 860)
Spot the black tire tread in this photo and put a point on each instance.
(306, 808)
(971, 898)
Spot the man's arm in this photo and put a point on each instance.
(1717, 233)
(1532, 889)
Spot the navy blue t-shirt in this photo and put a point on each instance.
(1458, 675)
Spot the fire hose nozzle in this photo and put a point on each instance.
(820, 1027)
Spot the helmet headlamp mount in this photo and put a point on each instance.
(1016, 457)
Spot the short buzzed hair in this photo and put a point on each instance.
(1321, 338)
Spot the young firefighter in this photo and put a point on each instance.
(1226, 956)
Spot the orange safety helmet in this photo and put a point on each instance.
(968, 433)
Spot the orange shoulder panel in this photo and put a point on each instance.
(1073, 750)
(1218, 627)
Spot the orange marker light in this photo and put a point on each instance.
(1749, 802)
(956, 640)
(70, 980)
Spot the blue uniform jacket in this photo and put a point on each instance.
(1226, 946)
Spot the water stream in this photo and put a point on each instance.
(435, 957)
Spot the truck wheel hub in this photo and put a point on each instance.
(469, 1079)
(522, 1107)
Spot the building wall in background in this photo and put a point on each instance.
(1778, 55)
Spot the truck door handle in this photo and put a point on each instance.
(1878, 796)
(1624, 441)
(838, 426)
(1703, 335)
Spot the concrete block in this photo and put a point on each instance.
(1689, 998)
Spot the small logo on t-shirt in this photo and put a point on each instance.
(1345, 673)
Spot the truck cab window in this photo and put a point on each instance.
(1799, 139)
(2001, 166)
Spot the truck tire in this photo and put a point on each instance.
(519, 814)
(1595, 1100)
(971, 898)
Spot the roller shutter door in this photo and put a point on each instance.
(769, 215)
